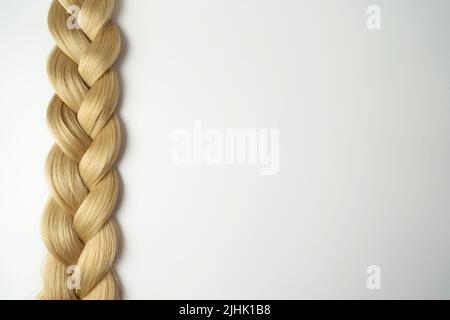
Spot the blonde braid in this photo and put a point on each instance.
(77, 225)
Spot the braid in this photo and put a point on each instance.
(77, 226)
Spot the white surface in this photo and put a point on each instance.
(364, 148)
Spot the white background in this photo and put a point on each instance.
(364, 148)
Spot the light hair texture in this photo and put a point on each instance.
(78, 228)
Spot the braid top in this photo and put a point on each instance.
(77, 226)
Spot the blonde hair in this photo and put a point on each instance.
(77, 226)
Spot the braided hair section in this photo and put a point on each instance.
(77, 227)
